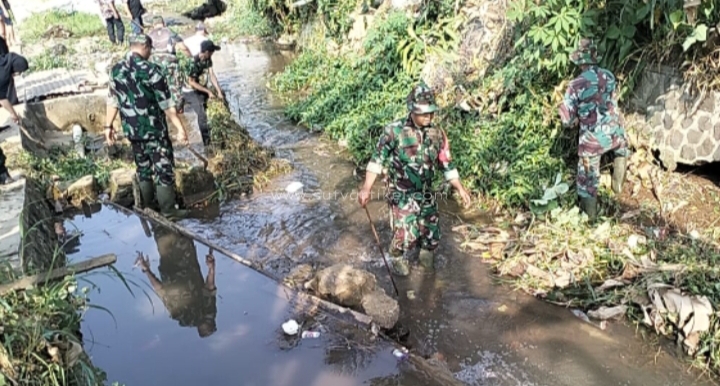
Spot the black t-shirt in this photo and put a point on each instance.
(136, 8)
(9, 64)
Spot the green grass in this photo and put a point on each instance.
(241, 19)
(79, 23)
(48, 61)
(64, 163)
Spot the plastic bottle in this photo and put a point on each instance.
(310, 334)
(78, 139)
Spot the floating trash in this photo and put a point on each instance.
(310, 334)
(294, 187)
(290, 327)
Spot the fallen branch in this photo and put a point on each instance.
(33, 280)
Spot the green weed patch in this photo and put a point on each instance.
(80, 24)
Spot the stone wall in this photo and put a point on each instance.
(684, 128)
(39, 248)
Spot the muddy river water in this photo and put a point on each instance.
(486, 334)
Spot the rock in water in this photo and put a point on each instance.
(384, 310)
(343, 284)
(82, 189)
(121, 187)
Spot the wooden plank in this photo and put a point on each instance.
(83, 266)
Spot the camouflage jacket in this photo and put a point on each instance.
(197, 70)
(164, 41)
(141, 94)
(591, 99)
(411, 156)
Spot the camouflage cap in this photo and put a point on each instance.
(140, 39)
(586, 53)
(421, 100)
(157, 19)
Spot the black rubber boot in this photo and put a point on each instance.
(589, 206)
(618, 178)
(166, 199)
(147, 194)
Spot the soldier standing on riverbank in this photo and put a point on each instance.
(412, 150)
(200, 69)
(590, 100)
(165, 42)
(141, 94)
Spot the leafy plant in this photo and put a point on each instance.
(549, 200)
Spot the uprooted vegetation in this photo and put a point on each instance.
(500, 75)
(237, 161)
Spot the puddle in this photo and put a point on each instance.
(173, 329)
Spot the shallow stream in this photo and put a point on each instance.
(485, 333)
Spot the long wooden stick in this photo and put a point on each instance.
(382, 253)
(56, 273)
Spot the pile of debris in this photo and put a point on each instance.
(238, 162)
(58, 32)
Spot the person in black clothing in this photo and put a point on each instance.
(136, 10)
(11, 64)
(115, 26)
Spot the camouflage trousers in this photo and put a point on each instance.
(174, 76)
(592, 146)
(414, 221)
(155, 161)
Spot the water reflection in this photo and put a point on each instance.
(189, 298)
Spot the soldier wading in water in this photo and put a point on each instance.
(140, 92)
(412, 150)
(590, 100)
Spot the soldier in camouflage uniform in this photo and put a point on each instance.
(165, 42)
(199, 70)
(412, 150)
(140, 92)
(590, 100)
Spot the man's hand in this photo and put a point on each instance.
(109, 136)
(15, 119)
(183, 138)
(465, 196)
(364, 196)
(220, 95)
(142, 262)
(210, 260)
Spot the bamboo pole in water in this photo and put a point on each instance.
(83, 266)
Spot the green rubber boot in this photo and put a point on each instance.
(589, 206)
(427, 259)
(400, 266)
(147, 194)
(618, 177)
(166, 199)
